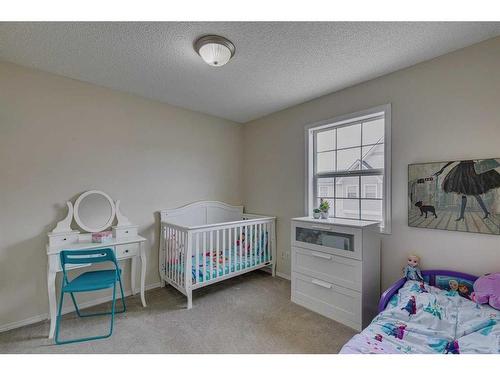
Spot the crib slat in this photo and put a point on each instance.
(165, 255)
(170, 234)
(224, 251)
(217, 252)
(259, 242)
(229, 249)
(262, 242)
(252, 240)
(211, 254)
(179, 259)
(174, 257)
(204, 256)
(196, 257)
(235, 244)
(241, 248)
(265, 243)
(261, 245)
(176, 248)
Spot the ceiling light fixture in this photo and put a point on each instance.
(214, 50)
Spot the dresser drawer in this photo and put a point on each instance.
(328, 299)
(332, 239)
(123, 251)
(332, 268)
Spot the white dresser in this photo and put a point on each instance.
(336, 268)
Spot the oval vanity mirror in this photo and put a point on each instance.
(94, 211)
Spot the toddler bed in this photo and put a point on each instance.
(430, 317)
(206, 242)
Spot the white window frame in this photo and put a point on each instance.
(385, 226)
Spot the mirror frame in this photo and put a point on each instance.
(77, 216)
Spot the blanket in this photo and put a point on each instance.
(425, 319)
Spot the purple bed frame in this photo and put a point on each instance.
(429, 276)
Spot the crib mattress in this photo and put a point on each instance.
(209, 267)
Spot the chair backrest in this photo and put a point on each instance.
(86, 257)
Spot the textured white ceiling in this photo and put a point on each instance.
(277, 64)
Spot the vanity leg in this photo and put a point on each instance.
(133, 269)
(51, 287)
(143, 273)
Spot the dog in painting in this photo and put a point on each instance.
(426, 209)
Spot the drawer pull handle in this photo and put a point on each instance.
(320, 227)
(126, 231)
(321, 283)
(126, 251)
(322, 256)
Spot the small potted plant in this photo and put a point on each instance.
(324, 207)
(316, 213)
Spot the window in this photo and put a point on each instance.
(348, 161)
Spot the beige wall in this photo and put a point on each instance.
(60, 137)
(444, 109)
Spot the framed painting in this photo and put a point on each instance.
(455, 195)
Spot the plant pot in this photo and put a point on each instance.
(324, 215)
(316, 215)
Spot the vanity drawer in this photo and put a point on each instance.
(328, 299)
(62, 239)
(123, 251)
(125, 232)
(332, 268)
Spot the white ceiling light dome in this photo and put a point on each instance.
(214, 50)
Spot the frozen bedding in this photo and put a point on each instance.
(424, 319)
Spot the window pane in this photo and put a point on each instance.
(346, 186)
(371, 210)
(325, 162)
(325, 187)
(373, 157)
(325, 141)
(347, 208)
(348, 160)
(349, 136)
(371, 186)
(373, 131)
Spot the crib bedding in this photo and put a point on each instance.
(425, 319)
(209, 266)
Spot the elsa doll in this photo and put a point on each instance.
(412, 271)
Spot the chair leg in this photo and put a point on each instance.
(113, 303)
(124, 308)
(76, 306)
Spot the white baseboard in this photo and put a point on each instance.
(84, 305)
(279, 274)
(283, 276)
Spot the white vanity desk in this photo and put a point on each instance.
(126, 244)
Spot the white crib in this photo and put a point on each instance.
(214, 241)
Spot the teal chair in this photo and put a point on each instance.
(89, 281)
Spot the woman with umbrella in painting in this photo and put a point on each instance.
(470, 178)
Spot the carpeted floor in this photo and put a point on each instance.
(248, 314)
